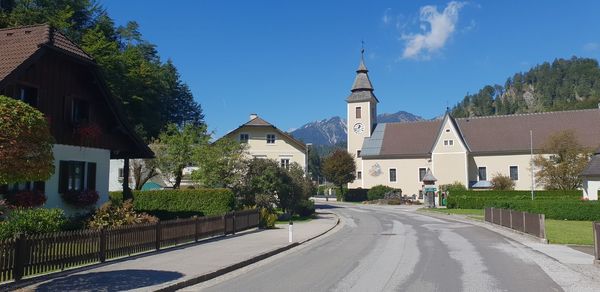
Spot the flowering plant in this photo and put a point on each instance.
(88, 133)
(81, 198)
(26, 198)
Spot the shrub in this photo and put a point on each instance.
(479, 199)
(170, 204)
(355, 195)
(502, 183)
(305, 208)
(81, 198)
(112, 215)
(26, 198)
(453, 187)
(394, 202)
(32, 221)
(378, 192)
(267, 218)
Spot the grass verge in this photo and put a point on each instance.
(569, 232)
(557, 231)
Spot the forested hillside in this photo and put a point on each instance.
(560, 85)
(149, 88)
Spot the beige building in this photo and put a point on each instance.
(466, 150)
(264, 140)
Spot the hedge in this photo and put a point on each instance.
(355, 195)
(479, 199)
(169, 204)
(560, 210)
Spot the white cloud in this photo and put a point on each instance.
(386, 19)
(441, 26)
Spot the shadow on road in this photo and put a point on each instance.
(324, 206)
(110, 281)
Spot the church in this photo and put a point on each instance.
(467, 150)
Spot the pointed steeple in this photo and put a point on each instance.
(362, 89)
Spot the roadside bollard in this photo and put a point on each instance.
(291, 231)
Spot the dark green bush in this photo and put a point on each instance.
(355, 195)
(305, 208)
(479, 199)
(170, 204)
(377, 192)
(267, 218)
(32, 221)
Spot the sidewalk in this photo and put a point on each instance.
(163, 270)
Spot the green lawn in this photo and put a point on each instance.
(569, 232)
(557, 231)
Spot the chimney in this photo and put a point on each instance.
(253, 116)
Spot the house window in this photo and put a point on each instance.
(121, 173)
(270, 138)
(28, 95)
(422, 172)
(448, 142)
(72, 176)
(285, 163)
(392, 175)
(81, 111)
(359, 175)
(514, 172)
(244, 138)
(482, 173)
(357, 153)
(358, 112)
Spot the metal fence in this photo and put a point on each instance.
(522, 221)
(27, 256)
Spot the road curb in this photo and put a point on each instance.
(203, 278)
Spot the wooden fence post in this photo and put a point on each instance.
(492, 216)
(542, 225)
(233, 220)
(102, 245)
(158, 235)
(196, 221)
(596, 226)
(20, 256)
(510, 215)
(524, 222)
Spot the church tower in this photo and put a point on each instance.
(361, 115)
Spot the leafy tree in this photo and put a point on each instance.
(220, 164)
(25, 143)
(143, 170)
(314, 165)
(339, 168)
(568, 158)
(502, 182)
(175, 147)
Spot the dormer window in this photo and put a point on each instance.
(270, 138)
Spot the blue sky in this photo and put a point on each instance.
(293, 61)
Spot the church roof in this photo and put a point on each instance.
(362, 88)
(490, 134)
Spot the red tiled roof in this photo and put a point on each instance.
(18, 44)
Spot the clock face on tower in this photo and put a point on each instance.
(359, 128)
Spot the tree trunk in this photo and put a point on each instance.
(127, 195)
(178, 177)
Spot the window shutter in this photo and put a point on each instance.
(63, 176)
(91, 176)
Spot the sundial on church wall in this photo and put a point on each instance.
(375, 170)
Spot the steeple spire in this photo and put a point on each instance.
(362, 89)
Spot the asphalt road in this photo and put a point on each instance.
(384, 249)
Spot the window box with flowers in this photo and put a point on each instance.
(81, 199)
